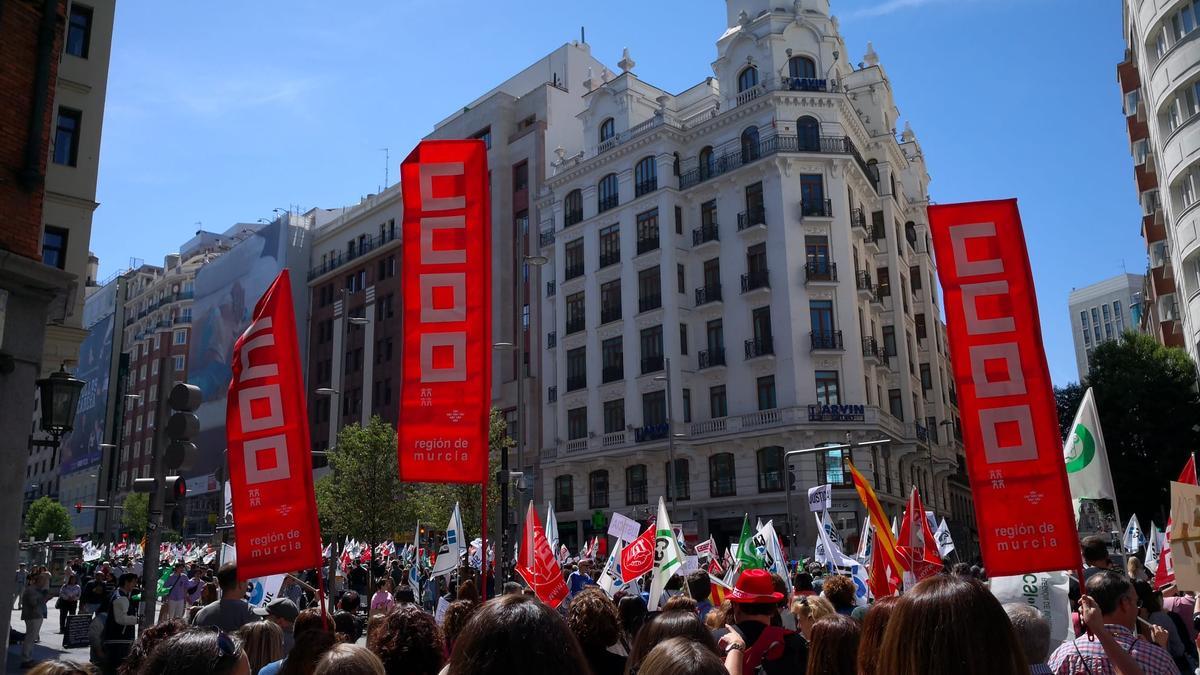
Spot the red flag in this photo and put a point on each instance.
(266, 428)
(446, 391)
(536, 563)
(917, 543)
(1009, 417)
(883, 580)
(638, 557)
(1188, 475)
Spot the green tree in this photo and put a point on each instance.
(1149, 411)
(362, 496)
(45, 517)
(135, 514)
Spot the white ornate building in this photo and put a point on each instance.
(762, 236)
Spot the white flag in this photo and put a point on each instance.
(1153, 550)
(551, 527)
(262, 590)
(865, 541)
(945, 543)
(1086, 456)
(1133, 537)
(829, 553)
(767, 540)
(668, 558)
(610, 576)
(451, 551)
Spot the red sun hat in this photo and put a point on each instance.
(755, 586)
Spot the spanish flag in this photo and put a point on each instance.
(884, 539)
(719, 591)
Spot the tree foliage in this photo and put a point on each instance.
(45, 517)
(135, 514)
(1149, 413)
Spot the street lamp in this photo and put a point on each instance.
(672, 487)
(59, 394)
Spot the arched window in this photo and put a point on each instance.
(598, 489)
(682, 487)
(608, 193)
(675, 166)
(722, 480)
(635, 485)
(801, 68)
(645, 176)
(573, 208)
(808, 134)
(564, 494)
(608, 129)
(747, 79)
(873, 172)
(770, 469)
(706, 162)
(750, 145)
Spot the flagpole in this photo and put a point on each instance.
(483, 542)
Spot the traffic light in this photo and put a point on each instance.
(182, 426)
(176, 491)
(78, 507)
(793, 473)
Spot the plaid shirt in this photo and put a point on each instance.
(1080, 655)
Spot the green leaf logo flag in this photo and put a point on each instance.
(1086, 457)
(1081, 449)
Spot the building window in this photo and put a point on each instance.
(922, 331)
(652, 349)
(180, 362)
(573, 208)
(564, 494)
(598, 489)
(54, 247)
(831, 465)
(766, 392)
(889, 341)
(610, 301)
(79, 31)
(610, 245)
(577, 368)
(827, 387)
(706, 164)
(683, 339)
(747, 79)
(649, 289)
(66, 137)
(608, 129)
(716, 402)
(895, 406)
(484, 135)
(612, 360)
(926, 377)
(808, 134)
(750, 149)
(770, 469)
(763, 342)
(614, 416)
(812, 195)
(575, 310)
(521, 176)
(577, 424)
(682, 488)
(820, 314)
(180, 337)
(722, 478)
(607, 193)
(635, 484)
(647, 231)
(687, 405)
(645, 176)
(654, 409)
(573, 259)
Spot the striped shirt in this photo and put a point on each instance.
(1082, 656)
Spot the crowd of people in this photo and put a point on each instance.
(948, 623)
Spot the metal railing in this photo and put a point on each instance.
(707, 294)
(649, 302)
(755, 280)
(862, 281)
(710, 358)
(705, 234)
(546, 238)
(816, 208)
(820, 270)
(751, 217)
(828, 340)
(735, 155)
(575, 325)
(573, 271)
(606, 203)
(338, 259)
(870, 348)
(610, 313)
(573, 217)
(647, 244)
(858, 218)
(645, 187)
(760, 347)
(610, 258)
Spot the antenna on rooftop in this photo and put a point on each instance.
(582, 36)
(387, 164)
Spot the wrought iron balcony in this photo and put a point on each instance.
(606, 203)
(820, 270)
(573, 271)
(610, 313)
(862, 281)
(645, 187)
(647, 244)
(816, 208)
(575, 325)
(871, 349)
(710, 358)
(755, 280)
(756, 347)
(751, 217)
(610, 258)
(649, 302)
(707, 294)
(705, 234)
(826, 340)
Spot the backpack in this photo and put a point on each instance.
(770, 646)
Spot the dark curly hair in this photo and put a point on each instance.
(675, 623)
(839, 590)
(457, 615)
(146, 642)
(593, 619)
(408, 642)
(517, 634)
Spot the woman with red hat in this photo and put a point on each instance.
(755, 608)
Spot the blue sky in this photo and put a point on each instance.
(220, 113)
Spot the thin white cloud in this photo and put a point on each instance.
(890, 7)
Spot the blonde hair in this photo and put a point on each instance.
(812, 607)
(263, 643)
(1134, 567)
(348, 659)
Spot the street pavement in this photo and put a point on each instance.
(49, 648)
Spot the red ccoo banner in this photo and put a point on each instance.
(266, 428)
(445, 395)
(1010, 423)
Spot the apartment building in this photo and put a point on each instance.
(1101, 312)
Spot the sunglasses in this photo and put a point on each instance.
(228, 651)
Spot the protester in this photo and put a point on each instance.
(62, 667)
(802, 584)
(33, 612)
(1136, 570)
(1117, 603)
(668, 625)
(873, 627)
(231, 612)
(808, 609)
(92, 597)
(467, 590)
(681, 656)
(1150, 608)
(755, 608)
(383, 601)
(118, 624)
(344, 659)
(579, 579)
(209, 593)
(700, 588)
(1184, 606)
(681, 603)
(177, 593)
(146, 642)
(346, 618)
(1033, 634)
(457, 615)
(1095, 556)
(840, 590)
(263, 643)
(719, 616)
(283, 613)
(950, 624)
(592, 617)
(833, 649)
(516, 634)
(22, 580)
(632, 611)
(68, 601)
(409, 642)
(197, 652)
(314, 637)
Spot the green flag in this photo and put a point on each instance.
(162, 583)
(747, 554)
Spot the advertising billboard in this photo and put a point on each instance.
(81, 447)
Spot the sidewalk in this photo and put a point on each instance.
(49, 648)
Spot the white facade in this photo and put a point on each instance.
(1102, 312)
(767, 237)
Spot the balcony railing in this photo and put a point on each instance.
(870, 348)
(647, 244)
(550, 288)
(573, 271)
(751, 217)
(574, 325)
(651, 432)
(820, 270)
(612, 374)
(645, 187)
(828, 340)
(575, 382)
(546, 238)
(551, 340)
(705, 234)
(367, 245)
(734, 155)
(651, 364)
(710, 358)
(756, 347)
(816, 208)
(609, 314)
(610, 258)
(707, 294)
(649, 302)
(755, 280)
(606, 203)
(572, 217)
(858, 218)
(862, 281)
